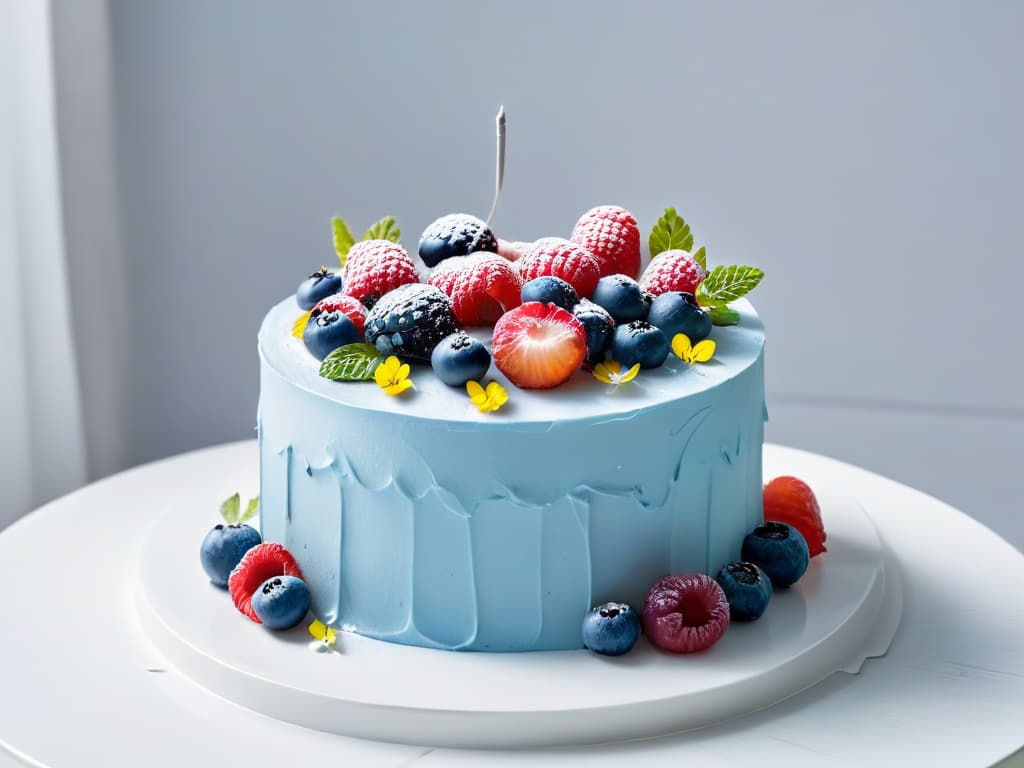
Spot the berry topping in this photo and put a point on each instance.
(327, 331)
(639, 342)
(554, 256)
(317, 286)
(481, 286)
(281, 602)
(375, 267)
(747, 588)
(222, 549)
(674, 270)
(685, 612)
(611, 629)
(599, 328)
(538, 346)
(791, 501)
(260, 563)
(460, 358)
(622, 297)
(456, 234)
(551, 289)
(347, 305)
(612, 235)
(513, 251)
(410, 321)
(780, 550)
(674, 312)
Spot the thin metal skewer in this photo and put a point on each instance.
(499, 172)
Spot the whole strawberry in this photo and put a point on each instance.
(375, 267)
(561, 258)
(791, 501)
(612, 235)
(482, 286)
(674, 270)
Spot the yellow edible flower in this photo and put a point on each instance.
(700, 352)
(393, 376)
(320, 631)
(486, 400)
(299, 326)
(610, 372)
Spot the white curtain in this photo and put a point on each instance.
(42, 447)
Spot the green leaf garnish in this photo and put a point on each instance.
(250, 510)
(724, 315)
(701, 257)
(385, 229)
(343, 238)
(353, 362)
(669, 233)
(229, 509)
(726, 284)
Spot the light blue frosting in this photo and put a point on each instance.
(416, 519)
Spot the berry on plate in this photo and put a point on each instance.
(456, 234)
(555, 290)
(675, 312)
(622, 297)
(599, 327)
(262, 562)
(612, 235)
(226, 543)
(791, 501)
(611, 629)
(481, 286)
(326, 331)
(376, 267)
(538, 346)
(347, 305)
(410, 321)
(460, 358)
(685, 612)
(317, 286)
(281, 602)
(747, 588)
(674, 270)
(780, 550)
(639, 342)
(560, 258)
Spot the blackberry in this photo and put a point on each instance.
(410, 321)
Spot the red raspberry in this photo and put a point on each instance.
(538, 346)
(560, 258)
(481, 286)
(612, 235)
(262, 562)
(673, 270)
(685, 612)
(375, 267)
(791, 501)
(347, 305)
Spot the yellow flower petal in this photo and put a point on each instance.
(398, 387)
(703, 351)
(402, 372)
(475, 392)
(391, 365)
(497, 394)
(681, 346)
(299, 326)
(630, 374)
(604, 371)
(318, 630)
(380, 375)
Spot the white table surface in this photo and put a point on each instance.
(78, 686)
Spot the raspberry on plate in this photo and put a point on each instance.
(262, 562)
(538, 346)
(612, 235)
(674, 270)
(481, 286)
(560, 258)
(790, 500)
(375, 267)
(685, 612)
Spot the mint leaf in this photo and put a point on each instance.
(669, 233)
(726, 284)
(229, 509)
(724, 315)
(343, 238)
(701, 257)
(353, 362)
(250, 510)
(385, 229)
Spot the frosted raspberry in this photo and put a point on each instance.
(673, 270)
(347, 305)
(612, 235)
(561, 258)
(375, 267)
(481, 286)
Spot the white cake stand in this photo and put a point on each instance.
(845, 609)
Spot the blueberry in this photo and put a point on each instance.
(747, 588)
(599, 328)
(410, 321)
(281, 602)
(622, 297)
(457, 234)
(677, 312)
(223, 548)
(780, 550)
(460, 358)
(318, 285)
(611, 629)
(639, 342)
(327, 331)
(548, 289)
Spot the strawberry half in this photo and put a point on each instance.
(538, 346)
(262, 562)
(790, 500)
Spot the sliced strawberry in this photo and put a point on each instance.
(685, 612)
(538, 346)
(673, 270)
(262, 562)
(560, 258)
(481, 286)
(347, 305)
(612, 235)
(790, 500)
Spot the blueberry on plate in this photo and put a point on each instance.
(549, 289)
(622, 297)
(639, 342)
(410, 321)
(599, 327)
(747, 588)
(281, 602)
(780, 550)
(317, 286)
(611, 629)
(677, 312)
(223, 548)
(460, 358)
(326, 331)
(457, 234)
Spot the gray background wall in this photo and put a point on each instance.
(866, 155)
